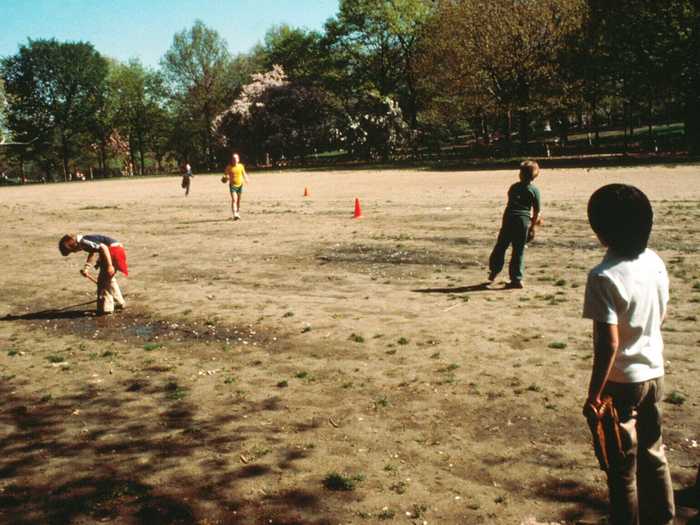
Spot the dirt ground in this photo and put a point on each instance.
(301, 366)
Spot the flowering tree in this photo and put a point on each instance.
(374, 127)
(273, 116)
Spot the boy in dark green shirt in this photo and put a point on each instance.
(517, 224)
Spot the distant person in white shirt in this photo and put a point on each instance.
(626, 298)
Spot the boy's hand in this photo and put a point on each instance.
(111, 271)
(591, 408)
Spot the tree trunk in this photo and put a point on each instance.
(524, 131)
(64, 154)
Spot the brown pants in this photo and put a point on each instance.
(640, 486)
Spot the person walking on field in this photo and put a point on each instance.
(235, 175)
(518, 225)
(187, 178)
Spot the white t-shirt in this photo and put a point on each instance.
(632, 294)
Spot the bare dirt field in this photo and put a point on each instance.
(301, 366)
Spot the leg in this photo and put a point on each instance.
(236, 200)
(116, 293)
(654, 477)
(622, 477)
(518, 232)
(497, 258)
(233, 203)
(187, 187)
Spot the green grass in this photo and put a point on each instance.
(149, 347)
(341, 482)
(675, 398)
(402, 341)
(53, 358)
(283, 384)
(356, 338)
(557, 345)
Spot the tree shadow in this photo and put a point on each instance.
(474, 288)
(586, 500)
(66, 312)
(117, 439)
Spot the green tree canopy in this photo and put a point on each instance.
(56, 89)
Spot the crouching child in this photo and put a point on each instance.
(108, 256)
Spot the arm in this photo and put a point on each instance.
(89, 263)
(535, 219)
(107, 259)
(605, 345)
(245, 177)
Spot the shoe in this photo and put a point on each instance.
(118, 306)
(236, 217)
(515, 285)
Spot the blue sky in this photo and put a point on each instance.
(144, 29)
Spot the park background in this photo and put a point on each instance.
(406, 80)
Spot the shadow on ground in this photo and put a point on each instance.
(481, 287)
(59, 467)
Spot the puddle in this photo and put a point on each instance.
(141, 327)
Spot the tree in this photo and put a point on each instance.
(197, 67)
(55, 90)
(4, 131)
(502, 54)
(297, 51)
(375, 44)
(139, 99)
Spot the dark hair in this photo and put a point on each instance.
(62, 245)
(621, 216)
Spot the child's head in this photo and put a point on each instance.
(68, 244)
(235, 159)
(529, 170)
(621, 216)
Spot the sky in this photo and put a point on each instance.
(144, 29)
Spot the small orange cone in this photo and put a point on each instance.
(358, 210)
(306, 192)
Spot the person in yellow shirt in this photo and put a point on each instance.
(235, 175)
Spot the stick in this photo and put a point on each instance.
(89, 276)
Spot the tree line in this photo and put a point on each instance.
(382, 79)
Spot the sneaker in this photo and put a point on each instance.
(515, 285)
(236, 217)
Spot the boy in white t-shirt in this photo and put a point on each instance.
(626, 298)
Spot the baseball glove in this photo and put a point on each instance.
(224, 179)
(530, 234)
(605, 428)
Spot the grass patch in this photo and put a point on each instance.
(12, 352)
(283, 384)
(402, 341)
(341, 482)
(356, 338)
(175, 392)
(557, 345)
(53, 358)
(305, 329)
(149, 347)
(301, 375)
(288, 314)
(675, 398)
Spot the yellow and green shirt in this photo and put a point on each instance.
(235, 174)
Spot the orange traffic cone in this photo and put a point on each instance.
(306, 192)
(358, 210)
